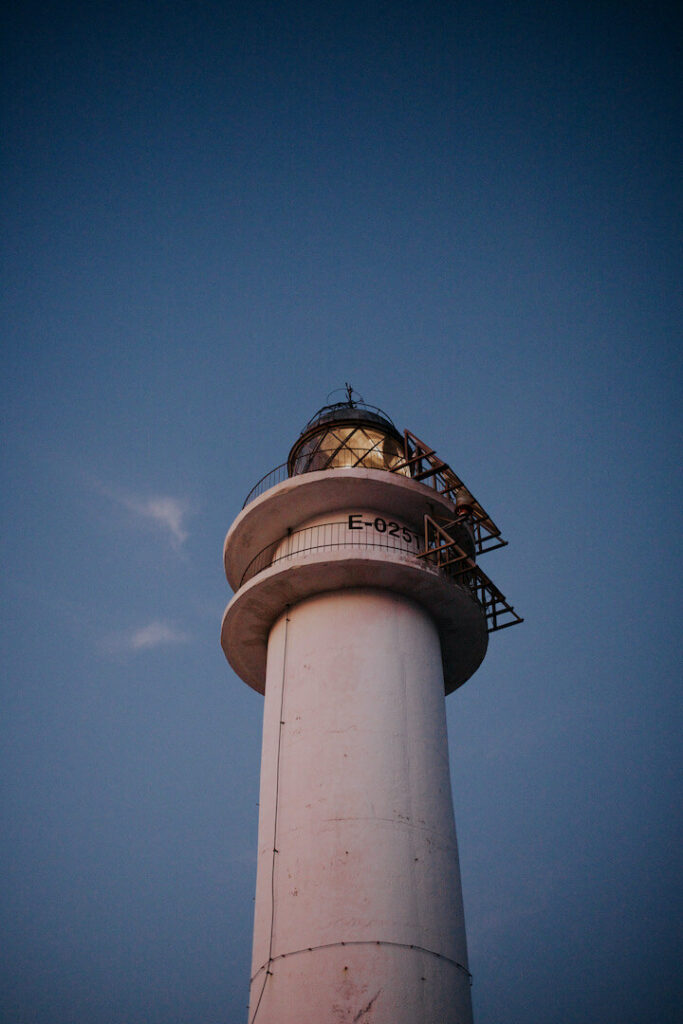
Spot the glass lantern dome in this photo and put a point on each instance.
(347, 435)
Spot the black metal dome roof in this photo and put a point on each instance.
(353, 410)
(343, 412)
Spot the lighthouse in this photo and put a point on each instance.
(359, 604)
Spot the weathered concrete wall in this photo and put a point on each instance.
(358, 905)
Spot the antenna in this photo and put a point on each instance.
(350, 392)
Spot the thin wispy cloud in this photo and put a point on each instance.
(155, 634)
(169, 513)
(162, 511)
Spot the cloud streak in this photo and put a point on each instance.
(167, 513)
(155, 634)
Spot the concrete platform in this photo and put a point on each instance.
(257, 605)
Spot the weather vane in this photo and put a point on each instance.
(350, 400)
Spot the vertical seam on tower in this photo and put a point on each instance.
(277, 797)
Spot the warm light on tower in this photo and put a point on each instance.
(358, 604)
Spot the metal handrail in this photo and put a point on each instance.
(327, 536)
(281, 472)
(422, 464)
(336, 535)
(275, 476)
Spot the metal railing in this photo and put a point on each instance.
(331, 536)
(376, 534)
(422, 464)
(427, 469)
(276, 476)
(342, 457)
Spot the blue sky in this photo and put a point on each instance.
(213, 216)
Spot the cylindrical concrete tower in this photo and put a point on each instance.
(357, 606)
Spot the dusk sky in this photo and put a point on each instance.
(214, 214)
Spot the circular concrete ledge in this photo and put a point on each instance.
(301, 498)
(256, 606)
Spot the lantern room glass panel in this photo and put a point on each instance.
(348, 447)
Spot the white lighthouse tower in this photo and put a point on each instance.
(358, 605)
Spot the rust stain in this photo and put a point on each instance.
(366, 1009)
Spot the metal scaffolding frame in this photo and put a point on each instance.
(441, 548)
(425, 465)
(444, 551)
